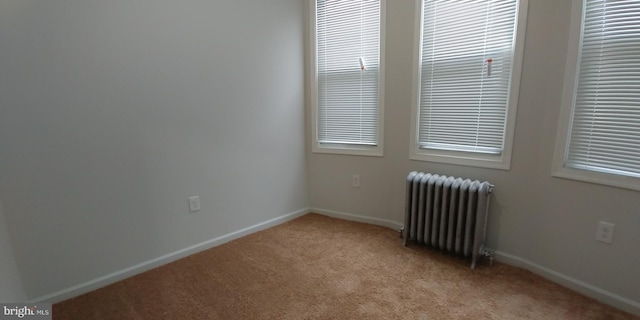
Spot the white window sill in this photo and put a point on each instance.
(370, 151)
(470, 159)
(607, 179)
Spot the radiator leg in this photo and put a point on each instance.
(404, 235)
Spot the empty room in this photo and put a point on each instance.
(320, 159)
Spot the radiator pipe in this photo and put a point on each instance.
(486, 220)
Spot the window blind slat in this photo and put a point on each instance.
(605, 133)
(462, 107)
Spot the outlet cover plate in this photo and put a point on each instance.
(604, 232)
(355, 181)
(194, 203)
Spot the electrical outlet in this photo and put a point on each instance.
(604, 232)
(194, 203)
(355, 181)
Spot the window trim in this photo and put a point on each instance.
(346, 149)
(565, 119)
(474, 159)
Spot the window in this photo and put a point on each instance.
(469, 59)
(599, 130)
(347, 79)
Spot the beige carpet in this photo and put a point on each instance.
(316, 267)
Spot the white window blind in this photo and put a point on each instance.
(605, 130)
(348, 67)
(467, 58)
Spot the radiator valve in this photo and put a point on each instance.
(488, 253)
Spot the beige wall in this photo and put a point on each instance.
(548, 222)
(113, 112)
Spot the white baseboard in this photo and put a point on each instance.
(589, 290)
(358, 218)
(162, 260)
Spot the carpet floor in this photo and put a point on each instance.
(316, 267)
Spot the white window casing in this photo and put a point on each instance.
(347, 48)
(598, 136)
(468, 63)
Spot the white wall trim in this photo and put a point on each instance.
(592, 291)
(162, 260)
(358, 218)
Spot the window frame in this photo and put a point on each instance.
(565, 119)
(468, 158)
(335, 148)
